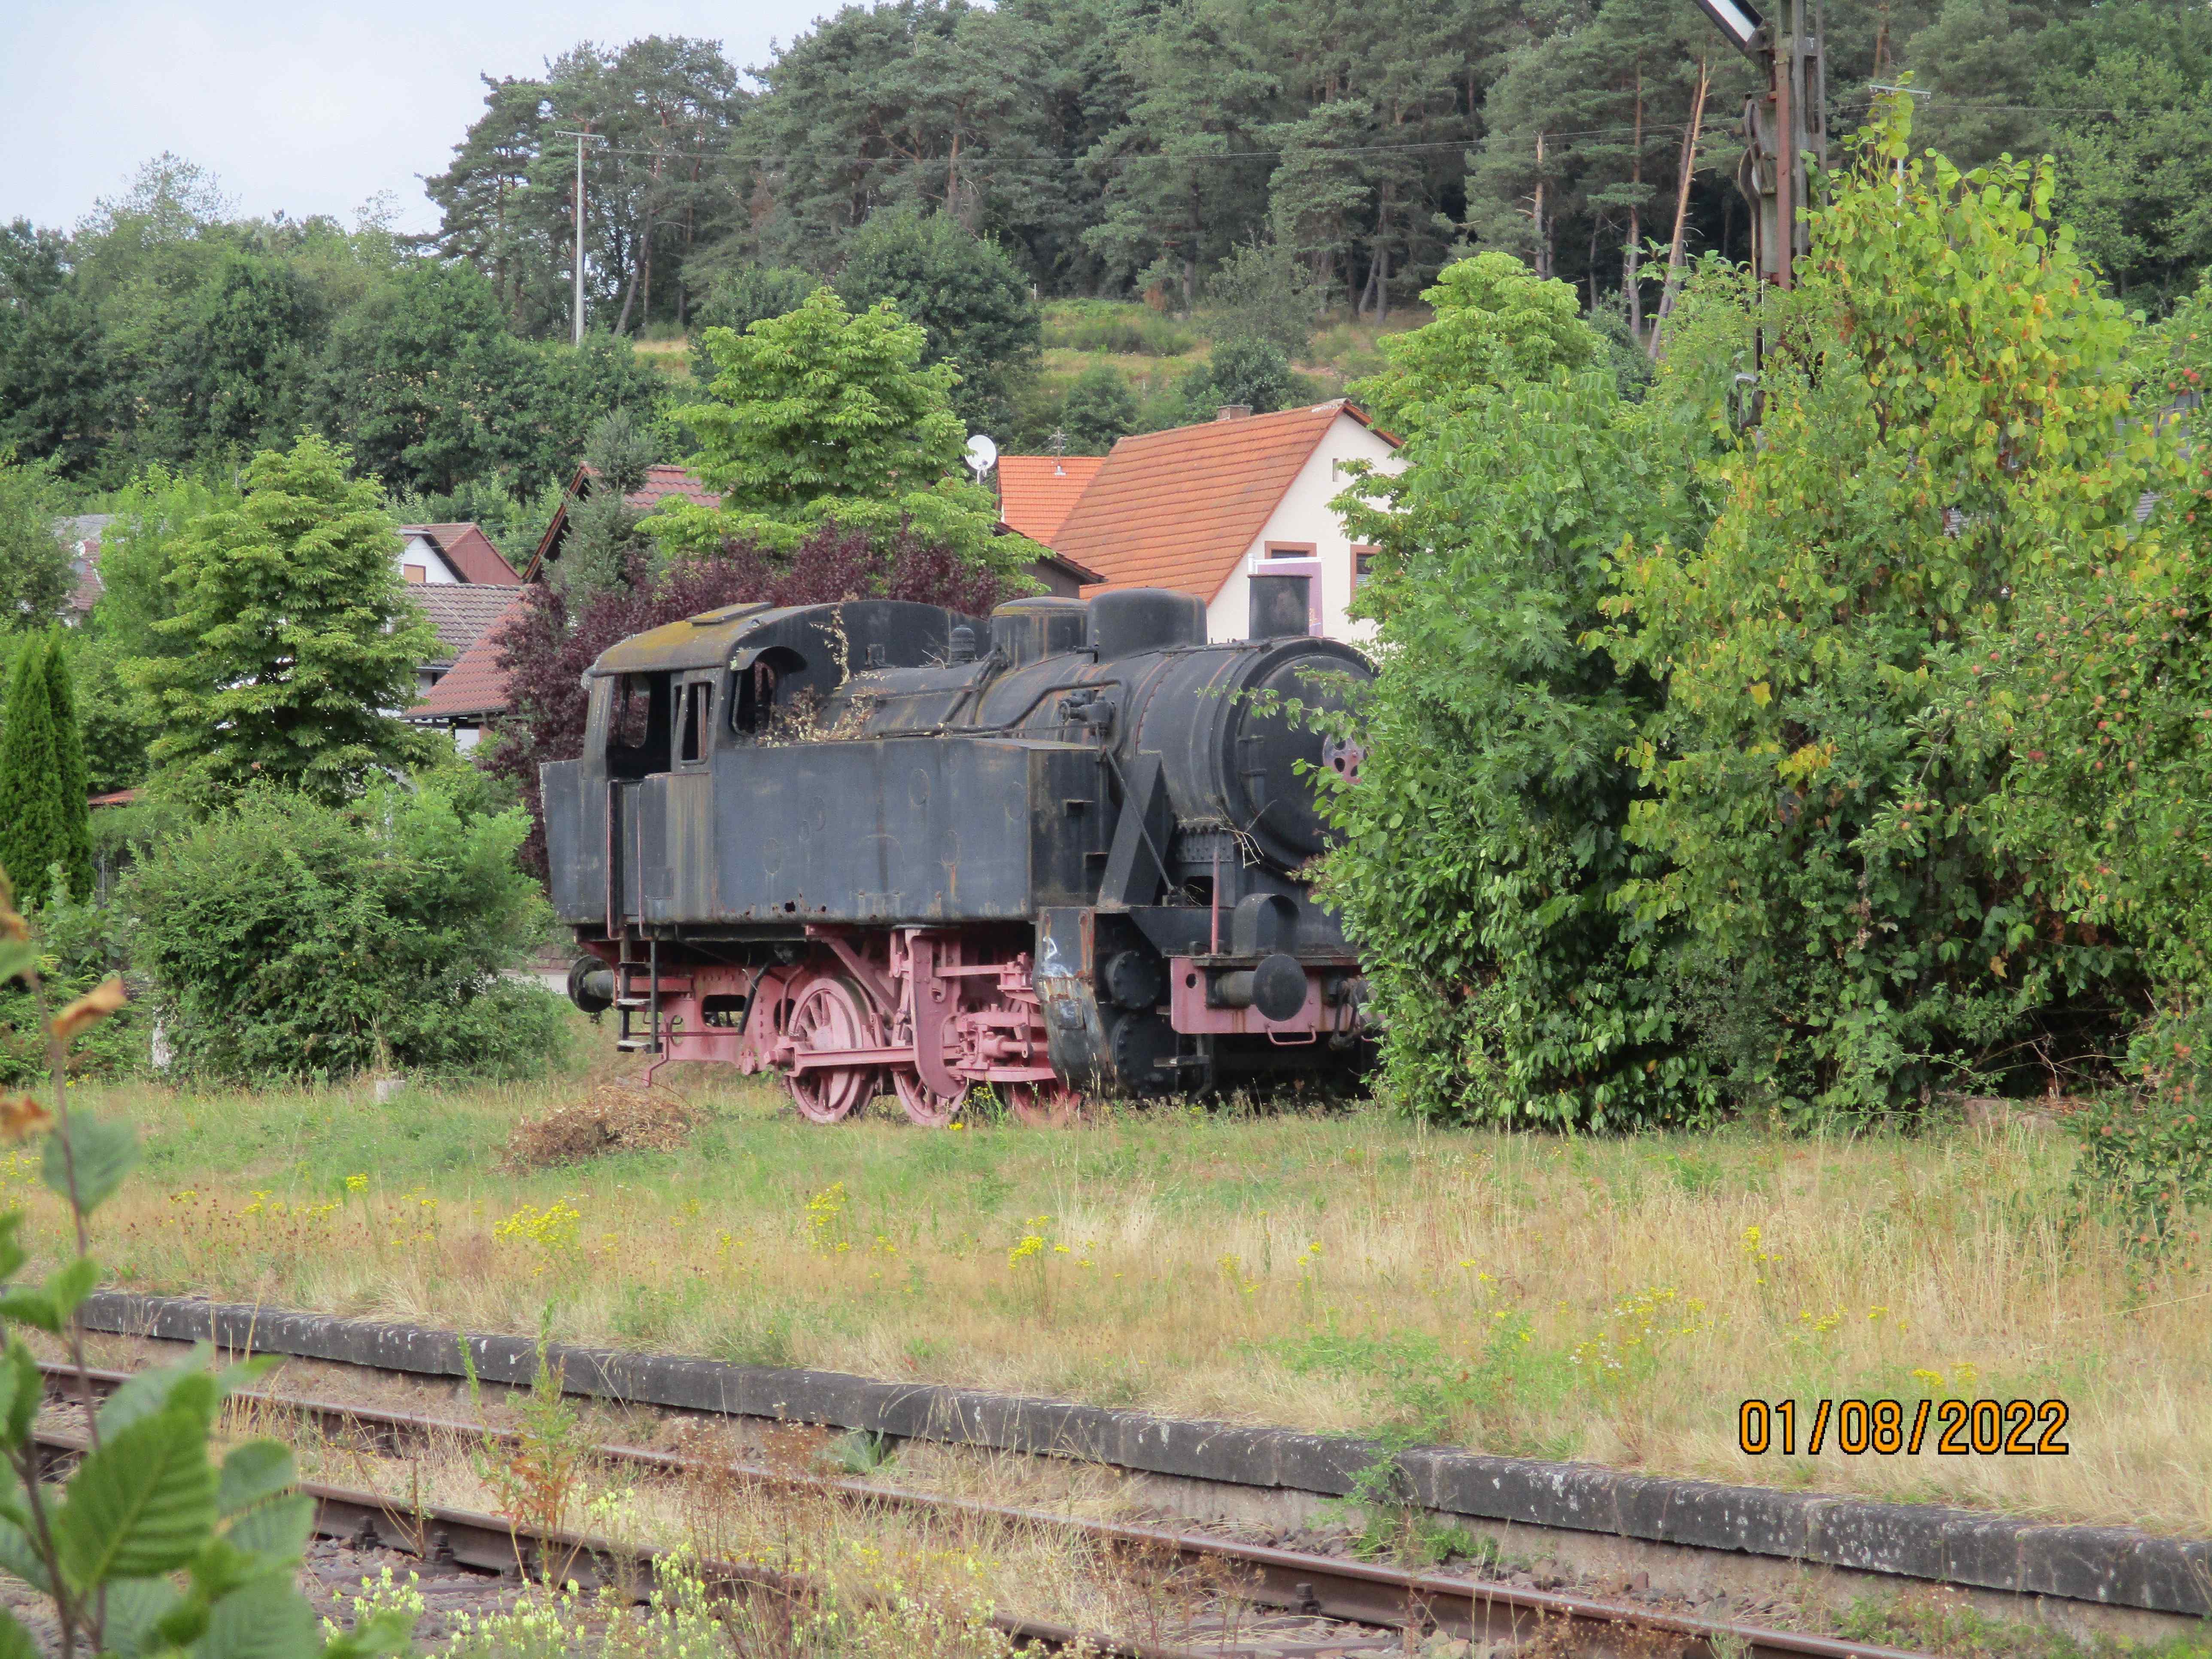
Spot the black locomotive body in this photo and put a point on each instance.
(1057, 850)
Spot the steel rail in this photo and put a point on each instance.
(494, 1548)
(1331, 1587)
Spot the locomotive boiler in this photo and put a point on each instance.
(1058, 850)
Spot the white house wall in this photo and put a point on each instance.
(1303, 514)
(420, 549)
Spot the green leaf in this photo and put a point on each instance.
(19, 1557)
(31, 1307)
(71, 1284)
(256, 1470)
(105, 1149)
(277, 1529)
(17, 956)
(29, 1394)
(266, 1619)
(147, 1391)
(11, 1253)
(143, 1504)
(134, 1606)
(15, 1642)
(387, 1633)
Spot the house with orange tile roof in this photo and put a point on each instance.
(465, 697)
(451, 555)
(1056, 575)
(1037, 492)
(1202, 509)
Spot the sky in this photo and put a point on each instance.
(303, 106)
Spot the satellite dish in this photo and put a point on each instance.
(982, 455)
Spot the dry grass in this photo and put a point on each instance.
(1608, 1300)
(616, 1119)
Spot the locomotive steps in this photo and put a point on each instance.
(1689, 1536)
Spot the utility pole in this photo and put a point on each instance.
(1781, 125)
(579, 135)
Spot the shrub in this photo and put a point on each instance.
(290, 938)
(1099, 408)
(1943, 424)
(80, 944)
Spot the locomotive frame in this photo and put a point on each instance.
(838, 843)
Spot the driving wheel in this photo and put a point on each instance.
(827, 1018)
(1051, 1105)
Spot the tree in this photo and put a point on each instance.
(602, 542)
(1496, 325)
(34, 565)
(1946, 422)
(824, 416)
(1483, 850)
(1253, 373)
(664, 109)
(299, 640)
(545, 652)
(73, 786)
(741, 297)
(34, 829)
(1262, 291)
(970, 299)
(425, 384)
(1099, 408)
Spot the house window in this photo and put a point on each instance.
(1362, 566)
(415, 572)
(1290, 549)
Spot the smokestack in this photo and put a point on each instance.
(1281, 606)
(1233, 412)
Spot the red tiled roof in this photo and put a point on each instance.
(461, 611)
(476, 684)
(469, 550)
(661, 483)
(1037, 492)
(1178, 509)
(84, 564)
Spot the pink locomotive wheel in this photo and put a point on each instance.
(1043, 1105)
(923, 1104)
(828, 1017)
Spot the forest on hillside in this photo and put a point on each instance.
(970, 161)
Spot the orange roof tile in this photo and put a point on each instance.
(1037, 492)
(1177, 509)
(475, 684)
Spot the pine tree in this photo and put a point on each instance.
(33, 837)
(72, 774)
(299, 639)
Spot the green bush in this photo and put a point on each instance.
(1099, 408)
(2146, 1168)
(80, 944)
(289, 938)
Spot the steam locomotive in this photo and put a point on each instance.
(1056, 851)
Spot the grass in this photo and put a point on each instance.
(1609, 1300)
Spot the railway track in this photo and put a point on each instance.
(1303, 1603)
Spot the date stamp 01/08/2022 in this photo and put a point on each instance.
(1960, 1428)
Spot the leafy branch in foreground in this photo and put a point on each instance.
(150, 1548)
